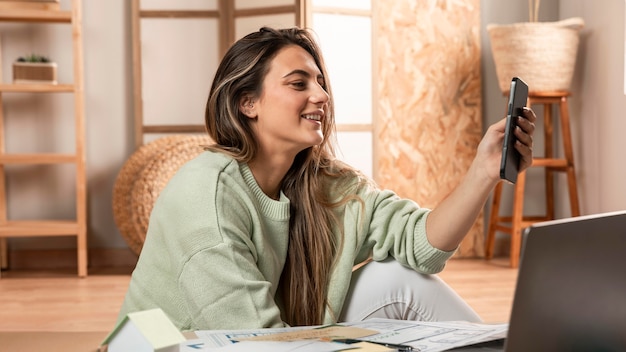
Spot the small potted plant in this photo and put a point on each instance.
(34, 69)
(543, 54)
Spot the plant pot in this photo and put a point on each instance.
(543, 54)
(35, 72)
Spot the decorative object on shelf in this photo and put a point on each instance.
(49, 5)
(34, 69)
(543, 54)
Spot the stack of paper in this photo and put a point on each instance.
(421, 336)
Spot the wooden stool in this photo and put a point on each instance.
(4, 261)
(551, 164)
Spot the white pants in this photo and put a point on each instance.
(389, 290)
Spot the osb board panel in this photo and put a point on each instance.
(428, 122)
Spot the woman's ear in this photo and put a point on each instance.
(246, 106)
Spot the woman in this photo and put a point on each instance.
(264, 228)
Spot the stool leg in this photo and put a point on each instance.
(569, 156)
(516, 219)
(494, 218)
(4, 255)
(548, 132)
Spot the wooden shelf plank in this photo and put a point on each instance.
(44, 158)
(44, 16)
(179, 14)
(260, 11)
(39, 228)
(37, 88)
(354, 127)
(173, 128)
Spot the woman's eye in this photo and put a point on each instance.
(299, 84)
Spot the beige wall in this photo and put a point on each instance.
(597, 107)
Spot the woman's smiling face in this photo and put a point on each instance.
(292, 105)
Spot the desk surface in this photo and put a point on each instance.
(66, 341)
(38, 341)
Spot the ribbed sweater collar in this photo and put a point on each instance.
(275, 209)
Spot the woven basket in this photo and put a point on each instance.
(543, 54)
(142, 178)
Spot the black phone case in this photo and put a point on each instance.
(518, 96)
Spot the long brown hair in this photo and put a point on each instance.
(312, 244)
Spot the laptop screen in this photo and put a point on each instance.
(571, 287)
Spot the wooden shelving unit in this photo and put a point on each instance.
(226, 14)
(25, 13)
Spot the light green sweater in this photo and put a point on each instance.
(216, 246)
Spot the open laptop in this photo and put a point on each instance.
(571, 286)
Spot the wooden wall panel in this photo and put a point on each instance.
(428, 119)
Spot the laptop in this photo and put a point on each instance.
(571, 286)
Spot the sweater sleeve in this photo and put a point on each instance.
(396, 227)
(224, 288)
(230, 277)
(227, 248)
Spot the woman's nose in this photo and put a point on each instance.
(319, 95)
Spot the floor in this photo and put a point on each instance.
(487, 286)
(60, 301)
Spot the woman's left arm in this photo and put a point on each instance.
(451, 220)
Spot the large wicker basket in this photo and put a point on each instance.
(543, 54)
(142, 178)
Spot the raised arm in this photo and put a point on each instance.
(451, 220)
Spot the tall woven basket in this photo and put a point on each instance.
(142, 178)
(543, 54)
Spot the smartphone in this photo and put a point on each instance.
(518, 96)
